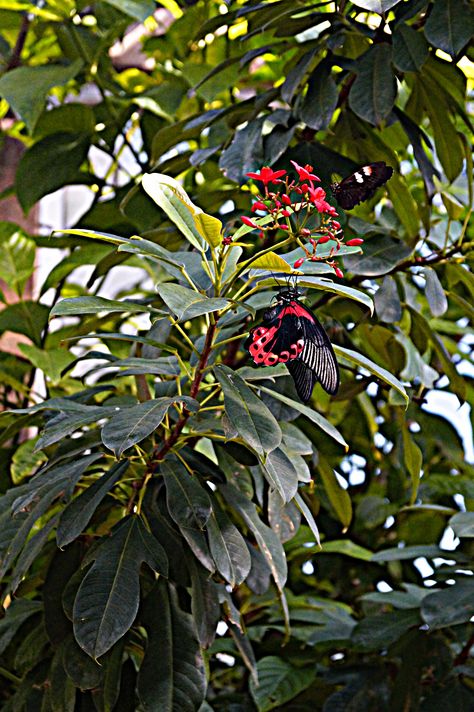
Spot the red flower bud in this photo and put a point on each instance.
(305, 232)
(312, 241)
(259, 206)
(355, 241)
(339, 272)
(286, 213)
(261, 234)
(286, 199)
(336, 224)
(314, 258)
(283, 227)
(304, 187)
(298, 263)
(323, 239)
(248, 221)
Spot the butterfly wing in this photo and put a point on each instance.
(361, 185)
(291, 334)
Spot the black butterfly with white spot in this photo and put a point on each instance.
(361, 185)
(291, 334)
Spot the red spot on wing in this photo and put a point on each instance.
(296, 309)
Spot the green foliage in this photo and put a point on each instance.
(178, 530)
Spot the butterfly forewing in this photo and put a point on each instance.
(291, 334)
(361, 185)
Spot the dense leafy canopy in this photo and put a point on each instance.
(178, 530)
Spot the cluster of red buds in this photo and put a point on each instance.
(308, 199)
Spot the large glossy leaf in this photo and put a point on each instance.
(450, 25)
(107, 600)
(188, 503)
(66, 423)
(129, 426)
(308, 515)
(378, 632)
(172, 675)
(463, 524)
(281, 474)
(139, 10)
(248, 414)
(410, 49)
(373, 93)
(435, 293)
(305, 410)
(279, 682)
(17, 256)
(379, 6)
(17, 613)
(321, 98)
(267, 540)
(228, 548)
(337, 495)
(78, 513)
(341, 290)
(186, 303)
(26, 88)
(448, 144)
(196, 226)
(77, 306)
(381, 255)
(28, 318)
(451, 606)
(372, 367)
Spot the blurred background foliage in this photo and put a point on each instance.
(99, 93)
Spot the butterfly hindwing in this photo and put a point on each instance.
(291, 334)
(361, 185)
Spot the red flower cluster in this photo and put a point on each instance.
(292, 206)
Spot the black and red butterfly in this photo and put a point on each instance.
(361, 185)
(291, 334)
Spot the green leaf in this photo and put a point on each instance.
(373, 93)
(77, 306)
(27, 318)
(305, 410)
(247, 413)
(321, 98)
(413, 459)
(107, 601)
(387, 301)
(65, 424)
(271, 262)
(186, 303)
(379, 632)
(339, 497)
(17, 256)
(463, 524)
(268, 542)
(340, 289)
(228, 548)
(450, 25)
(281, 474)
(379, 6)
(197, 227)
(49, 165)
(381, 255)
(188, 503)
(26, 460)
(51, 362)
(451, 606)
(140, 10)
(346, 547)
(434, 292)
(131, 425)
(278, 682)
(78, 513)
(307, 514)
(364, 362)
(172, 674)
(410, 49)
(16, 614)
(449, 147)
(404, 553)
(404, 205)
(26, 88)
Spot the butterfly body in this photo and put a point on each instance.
(361, 185)
(291, 334)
